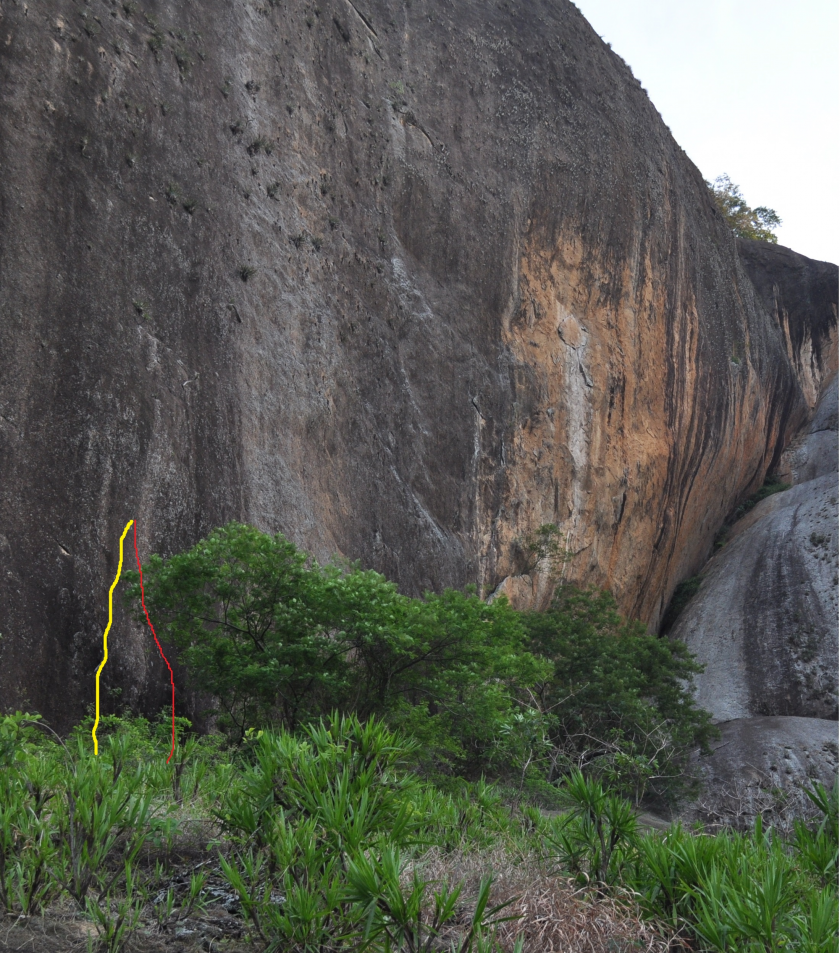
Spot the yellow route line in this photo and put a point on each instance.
(107, 629)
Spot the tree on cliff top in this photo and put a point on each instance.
(746, 222)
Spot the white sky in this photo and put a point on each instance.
(750, 88)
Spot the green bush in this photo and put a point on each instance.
(29, 781)
(683, 594)
(618, 702)
(323, 832)
(770, 486)
(323, 821)
(597, 835)
(756, 223)
(737, 891)
(280, 641)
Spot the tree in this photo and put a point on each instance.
(278, 640)
(746, 222)
(252, 620)
(619, 701)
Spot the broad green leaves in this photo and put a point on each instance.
(617, 703)
(279, 640)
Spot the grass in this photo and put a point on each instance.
(329, 840)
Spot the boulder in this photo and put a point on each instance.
(763, 766)
(764, 621)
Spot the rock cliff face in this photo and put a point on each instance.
(764, 623)
(403, 284)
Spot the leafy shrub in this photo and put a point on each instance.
(617, 703)
(331, 841)
(322, 822)
(27, 785)
(742, 891)
(281, 641)
(745, 222)
(594, 838)
(683, 594)
(771, 485)
(351, 775)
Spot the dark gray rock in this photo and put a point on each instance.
(403, 281)
(814, 452)
(801, 294)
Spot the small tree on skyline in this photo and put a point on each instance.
(757, 223)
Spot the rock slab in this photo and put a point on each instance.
(764, 765)
(764, 621)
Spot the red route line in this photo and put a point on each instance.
(171, 677)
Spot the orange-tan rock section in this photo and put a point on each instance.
(620, 445)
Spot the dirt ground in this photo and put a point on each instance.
(64, 932)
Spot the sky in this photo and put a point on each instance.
(750, 88)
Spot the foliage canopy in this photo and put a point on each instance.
(279, 641)
(616, 702)
(746, 222)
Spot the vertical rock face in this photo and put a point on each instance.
(405, 285)
(801, 295)
(764, 622)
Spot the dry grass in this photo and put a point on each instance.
(554, 916)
